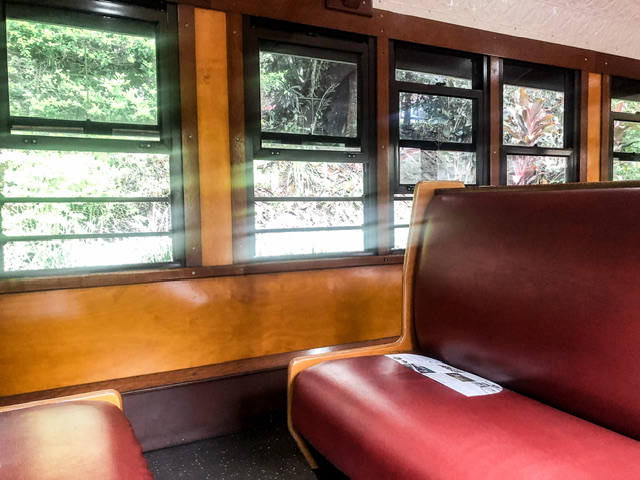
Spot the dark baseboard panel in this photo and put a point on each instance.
(174, 415)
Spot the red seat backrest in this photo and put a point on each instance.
(538, 290)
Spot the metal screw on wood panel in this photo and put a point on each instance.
(193, 273)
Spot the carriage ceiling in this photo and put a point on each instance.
(608, 26)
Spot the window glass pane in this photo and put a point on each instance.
(402, 211)
(625, 106)
(432, 79)
(74, 253)
(307, 179)
(533, 170)
(417, 165)
(310, 96)
(400, 237)
(626, 170)
(625, 95)
(68, 73)
(275, 215)
(435, 118)
(626, 137)
(533, 117)
(20, 219)
(433, 68)
(303, 243)
(39, 173)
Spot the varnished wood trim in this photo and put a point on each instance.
(108, 395)
(605, 126)
(189, 119)
(193, 3)
(619, 66)
(424, 193)
(582, 127)
(237, 137)
(185, 376)
(543, 187)
(430, 32)
(213, 123)
(24, 285)
(495, 119)
(384, 154)
(594, 128)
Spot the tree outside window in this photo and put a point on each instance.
(309, 193)
(537, 125)
(85, 164)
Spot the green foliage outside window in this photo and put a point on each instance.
(533, 118)
(72, 208)
(626, 139)
(66, 73)
(304, 95)
(309, 104)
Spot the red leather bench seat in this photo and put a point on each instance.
(375, 419)
(535, 289)
(80, 440)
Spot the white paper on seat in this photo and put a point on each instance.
(464, 382)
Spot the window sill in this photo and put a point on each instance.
(37, 284)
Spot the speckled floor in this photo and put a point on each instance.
(265, 453)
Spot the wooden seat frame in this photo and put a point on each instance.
(406, 342)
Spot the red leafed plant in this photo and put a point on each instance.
(527, 122)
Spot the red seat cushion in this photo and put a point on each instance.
(373, 418)
(71, 440)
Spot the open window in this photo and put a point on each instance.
(307, 110)
(437, 102)
(89, 145)
(625, 128)
(538, 125)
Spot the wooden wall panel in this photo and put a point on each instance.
(594, 127)
(67, 337)
(189, 124)
(213, 131)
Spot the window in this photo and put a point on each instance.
(437, 97)
(538, 134)
(625, 128)
(308, 124)
(89, 159)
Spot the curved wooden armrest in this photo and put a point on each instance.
(424, 192)
(300, 363)
(109, 395)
